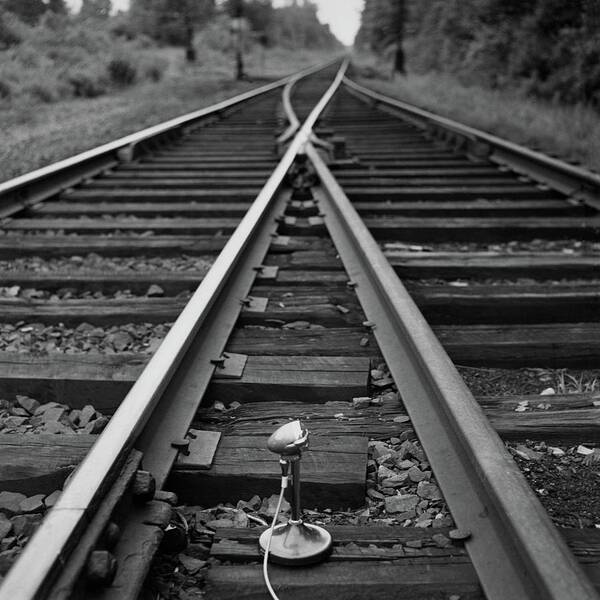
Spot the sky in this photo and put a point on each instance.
(343, 16)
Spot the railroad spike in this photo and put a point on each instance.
(181, 445)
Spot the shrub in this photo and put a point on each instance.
(5, 89)
(153, 67)
(85, 85)
(10, 34)
(122, 71)
(371, 72)
(154, 72)
(121, 26)
(41, 92)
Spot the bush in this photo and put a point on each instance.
(122, 71)
(154, 72)
(121, 26)
(550, 48)
(5, 90)
(85, 85)
(153, 67)
(62, 57)
(42, 92)
(11, 31)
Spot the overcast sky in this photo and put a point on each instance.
(343, 16)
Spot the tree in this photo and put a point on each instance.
(9, 32)
(29, 11)
(297, 26)
(172, 21)
(546, 48)
(260, 15)
(95, 9)
(58, 7)
(382, 29)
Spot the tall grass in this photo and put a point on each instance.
(63, 57)
(33, 138)
(571, 132)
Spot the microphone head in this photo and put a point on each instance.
(289, 439)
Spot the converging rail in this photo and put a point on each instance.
(147, 417)
(369, 254)
(577, 182)
(514, 546)
(33, 187)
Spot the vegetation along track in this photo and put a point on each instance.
(302, 315)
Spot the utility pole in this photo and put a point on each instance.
(237, 27)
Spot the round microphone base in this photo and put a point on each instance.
(297, 544)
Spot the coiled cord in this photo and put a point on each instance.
(284, 482)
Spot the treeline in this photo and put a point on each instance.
(177, 21)
(547, 48)
(31, 11)
(47, 53)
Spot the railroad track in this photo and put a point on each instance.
(301, 315)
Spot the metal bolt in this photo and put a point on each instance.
(111, 535)
(459, 534)
(143, 486)
(101, 568)
(182, 445)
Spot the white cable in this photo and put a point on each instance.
(284, 482)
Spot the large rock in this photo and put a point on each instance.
(51, 500)
(87, 414)
(10, 503)
(416, 474)
(54, 414)
(5, 526)
(384, 473)
(395, 481)
(26, 525)
(33, 504)
(402, 503)
(379, 449)
(27, 403)
(429, 491)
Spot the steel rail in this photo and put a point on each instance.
(30, 188)
(514, 546)
(572, 180)
(40, 562)
(294, 122)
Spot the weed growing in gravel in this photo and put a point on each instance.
(584, 382)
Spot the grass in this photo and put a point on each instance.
(569, 132)
(37, 134)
